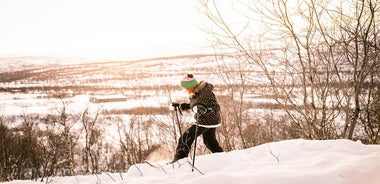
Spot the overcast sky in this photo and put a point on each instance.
(110, 29)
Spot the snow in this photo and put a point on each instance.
(287, 162)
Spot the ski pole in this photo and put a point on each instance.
(195, 143)
(176, 114)
(198, 109)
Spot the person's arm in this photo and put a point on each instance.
(216, 107)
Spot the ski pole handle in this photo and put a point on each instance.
(174, 106)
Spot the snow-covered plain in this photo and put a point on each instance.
(286, 162)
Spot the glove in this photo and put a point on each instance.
(184, 106)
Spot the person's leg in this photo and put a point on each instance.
(185, 142)
(209, 138)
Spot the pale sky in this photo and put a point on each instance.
(107, 29)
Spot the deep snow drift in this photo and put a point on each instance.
(285, 162)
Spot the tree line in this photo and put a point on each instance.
(40, 146)
(321, 61)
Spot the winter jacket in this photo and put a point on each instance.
(204, 96)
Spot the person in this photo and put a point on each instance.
(207, 117)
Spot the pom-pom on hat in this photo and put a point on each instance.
(189, 81)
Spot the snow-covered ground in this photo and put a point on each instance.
(286, 162)
(292, 161)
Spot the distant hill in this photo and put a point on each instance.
(8, 64)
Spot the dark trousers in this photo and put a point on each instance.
(188, 137)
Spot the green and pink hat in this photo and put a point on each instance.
(189, 81)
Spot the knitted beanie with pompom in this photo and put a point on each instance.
(189, 81)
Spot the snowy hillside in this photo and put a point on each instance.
(21, 63)
(286, 162)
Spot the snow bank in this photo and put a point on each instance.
(285, 162)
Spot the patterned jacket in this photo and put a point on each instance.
(204, 96)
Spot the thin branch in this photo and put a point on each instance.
(275, 156)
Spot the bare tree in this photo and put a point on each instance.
(93, 140)
(130, 141)
(309, 52)
(65, 123)
(358, 35)
(6, 157)
(235, 78)
(31, 151)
